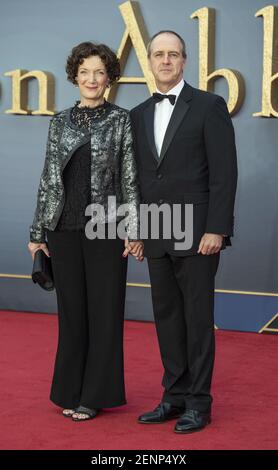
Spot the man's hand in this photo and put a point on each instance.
(210, 244)
(134, 248)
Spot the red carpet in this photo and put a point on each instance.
(245, 385)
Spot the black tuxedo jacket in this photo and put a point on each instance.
(197, 165)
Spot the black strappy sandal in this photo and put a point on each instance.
(89, 413)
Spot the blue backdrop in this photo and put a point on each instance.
(38, 35)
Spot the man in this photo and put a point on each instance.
(186, 154)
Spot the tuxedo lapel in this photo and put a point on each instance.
(149, 124)
(178, 114)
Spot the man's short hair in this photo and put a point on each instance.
(168, 32)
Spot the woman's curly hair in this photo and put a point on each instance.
(87, 49)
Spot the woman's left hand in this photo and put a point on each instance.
(134, 248)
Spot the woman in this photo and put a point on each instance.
(89, 157)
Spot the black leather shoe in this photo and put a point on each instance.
(163, 412)
(191, 421)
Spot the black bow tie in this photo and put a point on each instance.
(159, 97)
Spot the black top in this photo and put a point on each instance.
(77, 173)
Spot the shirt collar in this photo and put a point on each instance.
(175, 90)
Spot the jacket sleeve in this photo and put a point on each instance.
(222, 164)
(37, 231)
(129, 182)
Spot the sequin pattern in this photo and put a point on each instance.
(113, 167)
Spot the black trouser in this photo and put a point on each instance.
(90, 280)
(183, 304)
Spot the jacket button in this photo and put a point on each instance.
(159, 176)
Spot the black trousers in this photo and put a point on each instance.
(183, 304)
(90, 280)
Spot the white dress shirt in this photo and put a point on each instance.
(163, 113)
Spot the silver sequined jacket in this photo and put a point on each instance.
(113, 168)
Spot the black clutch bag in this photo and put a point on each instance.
(42, 271)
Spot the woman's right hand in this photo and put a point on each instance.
(33, 247)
